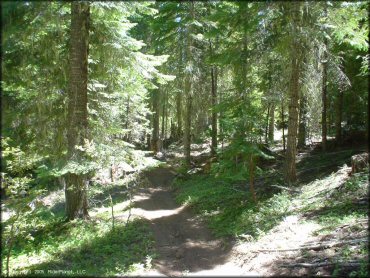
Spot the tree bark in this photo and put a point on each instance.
(163, 114)
(283, 122)
(188, 91)
(179, 116)
(338, 118)
(213, 97)
(214, 113)
(324, 89)
(76, 184)
(290, 167)
(127, 135)
(302, 123)
(166, 118)
(267, 123)
(251, 177)
(179, 96)
(271, 123)
(155, 134)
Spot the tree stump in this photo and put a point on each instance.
(359, 162)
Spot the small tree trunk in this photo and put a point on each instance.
(127, 135)
(179, 116)
(302, 123)
(11, 241)
(166, 118)
(271, 123)
(283, 122)
(338, 118)
(267, 122)
(149, 118)
(251, 177)
(187, 131)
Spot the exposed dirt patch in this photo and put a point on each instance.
(184, 244)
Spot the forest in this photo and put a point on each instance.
(167, 138)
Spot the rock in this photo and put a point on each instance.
(359, 162)
(159, 156)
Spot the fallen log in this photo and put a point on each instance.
(342, 264)
(361, 221)
(316, 246)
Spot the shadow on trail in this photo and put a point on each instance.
(183, 242)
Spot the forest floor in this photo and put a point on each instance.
(322, 231)
(170, 224)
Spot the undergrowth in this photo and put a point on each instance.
(89, 248)
(334, 200)
(330, 201)
(231, 212)
(48, 245)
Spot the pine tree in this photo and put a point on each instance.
(75, 183)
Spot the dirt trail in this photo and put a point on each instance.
(184, 244)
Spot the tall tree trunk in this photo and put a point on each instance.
(324, 102)
(213, 97)
(179, 95)
(291, 148)
(214, 113)
(155, 134)
(302, 122)
(324, 88)
(76, 184)
(271, 123)
(188, 91)
(338, 118)
(221, 116)
(290, 167)
(163, 114)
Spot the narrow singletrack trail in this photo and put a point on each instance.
(185, 246)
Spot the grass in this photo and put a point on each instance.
(330, 201)
(231, 212)
(49, 246)
(90, 248)
(334, 200)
